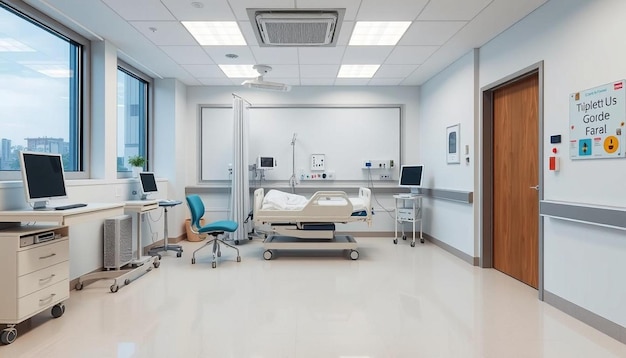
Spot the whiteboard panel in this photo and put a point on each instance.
(346, 136)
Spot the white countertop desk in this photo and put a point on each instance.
(93, 211)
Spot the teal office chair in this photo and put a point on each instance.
(214, 229)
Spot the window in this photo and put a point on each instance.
(41, 86)
(132, 116)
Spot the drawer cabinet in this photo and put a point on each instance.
(34, 266)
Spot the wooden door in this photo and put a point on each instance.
(515, 173)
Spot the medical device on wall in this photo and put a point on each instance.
(265, 163)
(318, 161)
(148, 184)
(411, 177)
(43, 177)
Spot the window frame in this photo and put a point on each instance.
(38, 18)
(133, 71)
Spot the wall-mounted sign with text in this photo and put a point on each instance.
(596, 119)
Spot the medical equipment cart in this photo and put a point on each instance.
(408, 209)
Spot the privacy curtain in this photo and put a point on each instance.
(240, 186)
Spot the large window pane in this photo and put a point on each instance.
(132, 118)
(39, 91)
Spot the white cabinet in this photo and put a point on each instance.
(34, 274)
(408, 210)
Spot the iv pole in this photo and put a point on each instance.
(292, 180)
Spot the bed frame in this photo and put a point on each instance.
(325, 208)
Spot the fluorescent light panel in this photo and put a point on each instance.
(239, 71)
(215, 33)
(357, 71)
(8, 44)
(378, 33)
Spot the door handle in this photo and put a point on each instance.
(536, 187)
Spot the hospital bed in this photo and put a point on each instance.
(300, 223)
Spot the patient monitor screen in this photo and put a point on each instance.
(411, 175)
(266, 162)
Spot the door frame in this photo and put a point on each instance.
(486, 182)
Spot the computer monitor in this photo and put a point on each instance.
(411, 176)
(265, 163)
(43, 178)
(148, 184)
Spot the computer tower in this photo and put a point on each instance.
(118, 244)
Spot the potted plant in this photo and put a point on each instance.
(137, 162)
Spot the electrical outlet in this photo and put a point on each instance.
(385, 177)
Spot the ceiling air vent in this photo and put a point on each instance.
(296, 27)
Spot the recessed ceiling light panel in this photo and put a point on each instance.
(239, 71)
(215, 33)
(378, 33)
(357, 71)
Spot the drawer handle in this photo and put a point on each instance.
(47, 278)
(48, 256)
(47, 298)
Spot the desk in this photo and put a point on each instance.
(93, 211)
(408, 209)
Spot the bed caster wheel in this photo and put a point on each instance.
(249, 237)
(214, 264)
(156, 264)
(236, 242)
(78, 286)
(238, 258)
(159, 256)
(114, 288)
(179, 254)
(422, 241)
(413, 244)
(193, 260)
(58, 310)
(127, 281)
(354, 255)
(403, 237)
(267, 255)
(219, 254)
(395, 241)
(8, 335)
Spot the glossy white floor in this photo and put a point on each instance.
(395, 301)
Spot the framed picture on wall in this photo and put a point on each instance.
(453, 144)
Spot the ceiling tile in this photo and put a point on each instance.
(351, 6)
(410, 55)
(213, 10)
(345, 33)
(390, 10)
(317, 81)
(395, 71)
(321, 55)
(240, 6)
(453, 9)
(385, 81)
(283, 71)
(204, 71)
(275, 55)
(248, 33)
(319, 71)
(218, 54)
(424, 33)
(187, 55)
(364, 55)
(140, 9)
(165, 33)
(351, 81)
(217, 81)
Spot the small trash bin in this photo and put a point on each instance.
(191, 236)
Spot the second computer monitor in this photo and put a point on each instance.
(411, 177)
(148, 184)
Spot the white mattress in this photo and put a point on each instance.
(280, 200)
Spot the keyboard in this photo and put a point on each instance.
(70, 206)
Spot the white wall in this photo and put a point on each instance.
(581, 44)
(445, 100)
